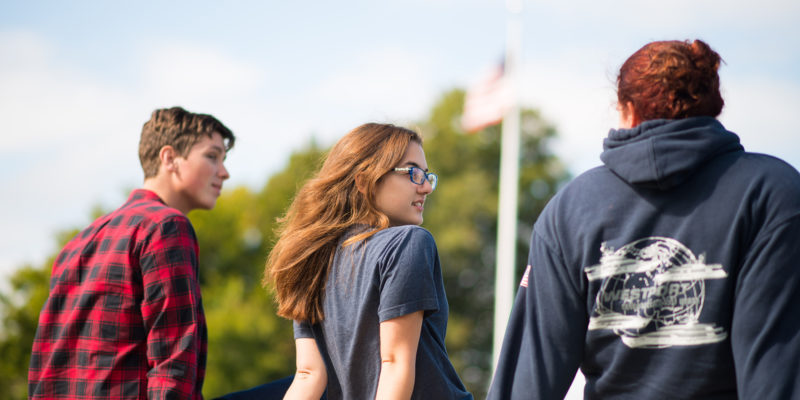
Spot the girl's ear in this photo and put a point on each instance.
(627, 116)
(361, 183)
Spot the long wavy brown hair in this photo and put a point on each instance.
(324, 209)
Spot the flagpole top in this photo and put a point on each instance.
(514, 6)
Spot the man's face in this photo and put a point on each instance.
(198, 176)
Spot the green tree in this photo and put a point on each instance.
(248, 343)
(462, 216)
(18, 327)
(19, 316)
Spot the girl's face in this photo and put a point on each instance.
(397, 196)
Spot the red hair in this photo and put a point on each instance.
(671, 80)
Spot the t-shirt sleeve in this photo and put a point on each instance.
(408, 277)
(302, 329)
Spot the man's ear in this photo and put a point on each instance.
(361, 183)
(167, 156)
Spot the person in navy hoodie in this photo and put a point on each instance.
(673, 270)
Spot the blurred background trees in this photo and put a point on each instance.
(248, 343)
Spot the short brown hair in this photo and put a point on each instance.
(671, 80)
(180, 129)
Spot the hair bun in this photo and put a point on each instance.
(705, 59)
(671, 80)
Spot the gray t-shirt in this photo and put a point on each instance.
(393, 273)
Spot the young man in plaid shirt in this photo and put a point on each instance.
(124, 318)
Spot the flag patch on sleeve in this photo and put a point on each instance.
(524, 282)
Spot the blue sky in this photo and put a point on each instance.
(79, 78)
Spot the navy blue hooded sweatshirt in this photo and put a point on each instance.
(671, 272)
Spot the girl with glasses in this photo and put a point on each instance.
(361, 279)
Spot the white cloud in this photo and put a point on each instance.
(577, 99)
(71, 132)
(25, 46)
(386, 85)
(60, 148)
(675, 16)
(382, 83)
(575, 90)
(71, 138)
(764, 113)
(43, 102)
(188, 71)
(76, 134)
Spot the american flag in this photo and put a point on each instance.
(487, 101)
(524, 282)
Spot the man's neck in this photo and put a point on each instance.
(161, 187)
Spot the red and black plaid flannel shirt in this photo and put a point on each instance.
(124, 319)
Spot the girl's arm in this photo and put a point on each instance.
(399, 340)
(311, 377)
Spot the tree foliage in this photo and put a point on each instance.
(462, 216)
(19, 315)
(248, 343)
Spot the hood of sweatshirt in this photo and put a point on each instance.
(663, 153)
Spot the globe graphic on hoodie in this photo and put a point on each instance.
(652, 294)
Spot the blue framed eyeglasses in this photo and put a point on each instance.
(419, 176)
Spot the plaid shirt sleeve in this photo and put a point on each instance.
(172, 312)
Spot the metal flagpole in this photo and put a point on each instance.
(509, 183)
